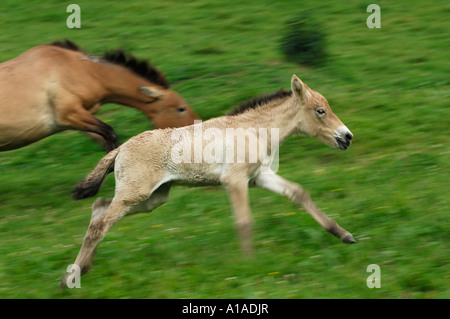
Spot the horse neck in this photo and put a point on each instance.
(122, 87)
(284, 117)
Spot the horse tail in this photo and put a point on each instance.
(91, 184)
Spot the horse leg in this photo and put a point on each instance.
(159, 197)
(298, 195)
(93, 136)
(98, 227)
(80, 119)
(107, 212)
(238, 193)
(99, 208)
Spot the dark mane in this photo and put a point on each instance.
(66, 44)
(259, 101)
(140, 67)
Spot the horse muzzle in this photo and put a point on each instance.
(343, 138)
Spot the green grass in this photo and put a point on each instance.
(390, 189)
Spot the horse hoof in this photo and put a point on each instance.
(348, 239)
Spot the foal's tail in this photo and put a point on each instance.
(91, 184)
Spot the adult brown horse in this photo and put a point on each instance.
(56, 87)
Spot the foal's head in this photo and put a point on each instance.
(168, 108)
(318, 120)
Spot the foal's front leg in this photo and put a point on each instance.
(298, 195)
(238, 192)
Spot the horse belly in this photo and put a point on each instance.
(196, 174)
(17, 130)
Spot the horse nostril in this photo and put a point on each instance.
(349, 136)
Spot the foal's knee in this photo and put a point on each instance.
(299, 195)
(244, 227)
(245, 231)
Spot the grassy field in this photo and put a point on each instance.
(390, 86)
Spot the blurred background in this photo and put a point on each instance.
(390, 86)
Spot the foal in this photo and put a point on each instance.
(148, 164)
(55, 87)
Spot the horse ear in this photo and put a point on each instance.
(151, 91)
(299, 88)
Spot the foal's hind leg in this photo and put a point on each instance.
(98, 228)
(157, 198)
(99, 207)
(105, 213)
(295, 193)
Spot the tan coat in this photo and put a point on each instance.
(149, 164)
(51, 88)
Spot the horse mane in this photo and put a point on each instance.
(139, 67)
(66, 44)
(260, 101)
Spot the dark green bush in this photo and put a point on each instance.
(304, 41)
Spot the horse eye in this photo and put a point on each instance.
(181, 109)
(320, 112)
